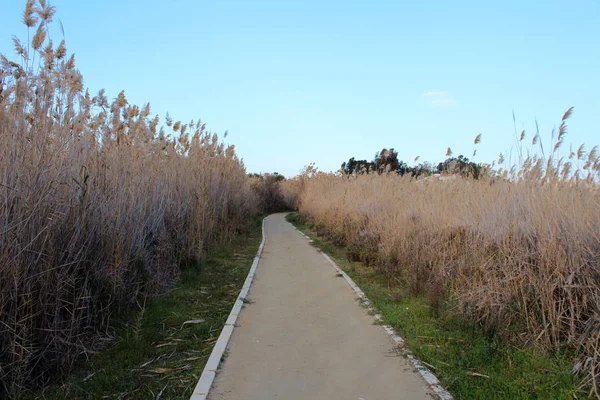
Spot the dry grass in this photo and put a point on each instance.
(98, 206)
(516, 252)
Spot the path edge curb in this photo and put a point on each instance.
(207, 378)
(433, 382)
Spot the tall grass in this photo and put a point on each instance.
(98, 206)
(516, 252)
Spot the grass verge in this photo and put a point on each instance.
(160, 350)
(469, 363)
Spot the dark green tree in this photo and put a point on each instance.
(386, 161)
(354, 166)
(460, 165)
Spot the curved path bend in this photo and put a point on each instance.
(303, 334)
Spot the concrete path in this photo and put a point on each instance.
(304, 336)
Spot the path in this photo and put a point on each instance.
(304, 336)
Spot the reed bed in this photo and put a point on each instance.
(99, 206)
(515, 252)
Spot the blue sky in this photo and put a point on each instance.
(296, 82)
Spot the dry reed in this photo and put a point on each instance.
(98, 206)
(516, 252)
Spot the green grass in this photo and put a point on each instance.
(457, 352)
(155, 351)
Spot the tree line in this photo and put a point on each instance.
(386, 161)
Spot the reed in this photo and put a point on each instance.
(99, 206)
(515, 252)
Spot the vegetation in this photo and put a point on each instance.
(102, 211)
(267, 188)
(469, 363)
(99, 207)
(162, 348)
(515, 253)
(386, 161)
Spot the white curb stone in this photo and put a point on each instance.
(208, 374)
(427, 375)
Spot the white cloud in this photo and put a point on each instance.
(440, 98)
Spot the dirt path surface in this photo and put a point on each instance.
(303, 335)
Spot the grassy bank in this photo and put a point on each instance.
(469, 363)
(160, 350)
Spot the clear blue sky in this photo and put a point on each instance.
(306, 81)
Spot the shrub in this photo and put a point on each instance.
(267, 188)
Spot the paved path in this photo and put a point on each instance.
(304, 335)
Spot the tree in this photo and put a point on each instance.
(386, 161)
(460, 165)
(354, 166)
(403, 168)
